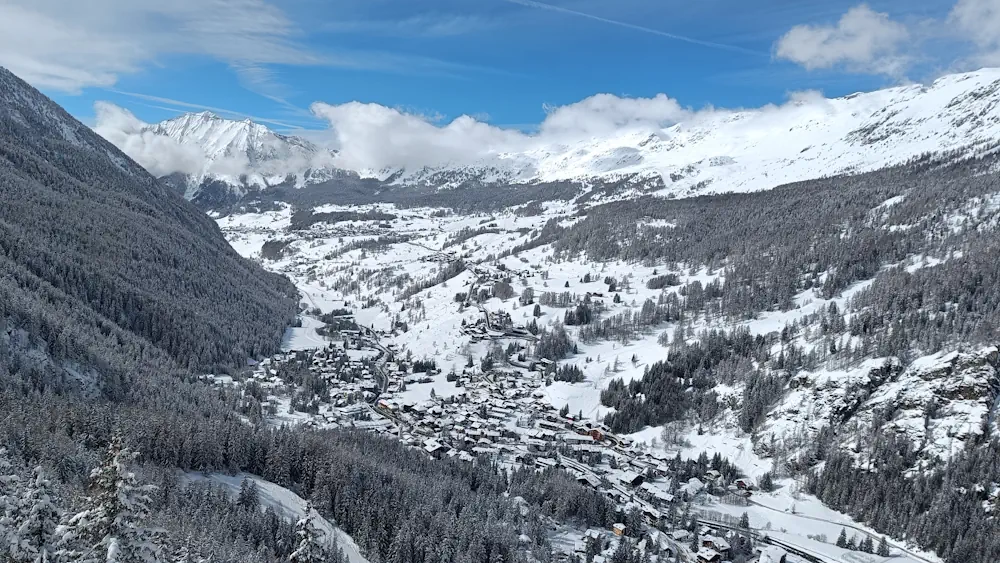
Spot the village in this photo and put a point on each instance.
(500, 412)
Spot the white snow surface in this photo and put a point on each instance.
(286, 504)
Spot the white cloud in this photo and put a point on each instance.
(605, 113)
(158, 154)
(978, 21)
(374, 136)
(863, 40)
(69, 45)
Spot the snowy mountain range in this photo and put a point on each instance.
(714, 151)
(751, 150)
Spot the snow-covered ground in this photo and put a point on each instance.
(389, 287)
(801, 519)
(286, 504)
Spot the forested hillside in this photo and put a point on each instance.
(116, 296)
(104, 271)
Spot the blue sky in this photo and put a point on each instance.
(501, 61)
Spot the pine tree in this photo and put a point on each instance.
(310, 548)
(111, 528)
(249, 497)
(883, 548)
(35, 539)
(623, 553)
(744, 521)
(184, 553)
(842, 539)
(767, 484)
(867, 545)
(9, 504)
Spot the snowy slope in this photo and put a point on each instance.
(286, 504)
(743, 151)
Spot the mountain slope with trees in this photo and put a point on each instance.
(104, 270)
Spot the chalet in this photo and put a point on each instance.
(631, 478)
(717, 544)
(708, 555)
(434, 448)
(618, 529)
(655, 492)
(680, 535)
(692, 487)
(650, 512)
(772, 554)
(577, 438)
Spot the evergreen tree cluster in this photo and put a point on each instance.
(947, 510)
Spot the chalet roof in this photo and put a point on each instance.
(719, 543)
(708, 554)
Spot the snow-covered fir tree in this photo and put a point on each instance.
(34, 536)
(883, 548)
(112, 527)
(311, 547)
(9, 504)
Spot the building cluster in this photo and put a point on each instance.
(503, 413)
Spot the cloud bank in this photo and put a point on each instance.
(371, 137)
(375, 137)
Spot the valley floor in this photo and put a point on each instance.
(413, 286)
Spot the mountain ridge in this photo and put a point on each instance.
(714, 151)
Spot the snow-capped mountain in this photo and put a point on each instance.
(242, 156)
(713, 151)
(224, 138)
(719, 151)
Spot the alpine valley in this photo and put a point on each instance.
(754, 335)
